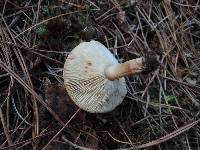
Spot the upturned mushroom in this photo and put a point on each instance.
(95, 80)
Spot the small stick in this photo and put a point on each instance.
(61, 129)
(124, 132)
(74, 145)
(5, 128)
(17, 112)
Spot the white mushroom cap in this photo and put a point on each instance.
(85, 80)
(95, 80)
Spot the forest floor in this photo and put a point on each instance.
(161, 109)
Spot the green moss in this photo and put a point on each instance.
(41, 30)
(45, 9)
(170, 98)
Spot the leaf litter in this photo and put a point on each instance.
(161, 110)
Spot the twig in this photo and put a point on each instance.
(74, 145)
(166, 137)
(28, 88)
(29, 140)
(42, 22)
(124, 132)
(45, 147)
(1, 147)
(181, 82)
(5, 128)
(17, 112)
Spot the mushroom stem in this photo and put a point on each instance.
(117, 71)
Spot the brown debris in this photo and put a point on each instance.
(160, 111)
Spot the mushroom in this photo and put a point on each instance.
(95, 80)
